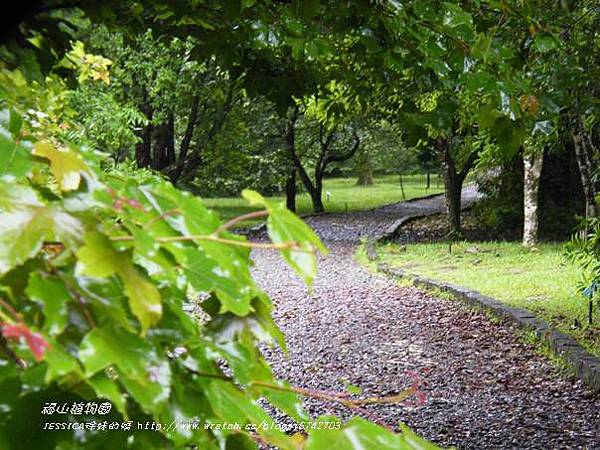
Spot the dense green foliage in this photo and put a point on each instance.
(99, 272)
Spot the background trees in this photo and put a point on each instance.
(486, 74)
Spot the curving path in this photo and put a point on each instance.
(484, 388)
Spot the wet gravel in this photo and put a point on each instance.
(483, 387)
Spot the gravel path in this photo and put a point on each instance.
(484, 388)
(351, 227)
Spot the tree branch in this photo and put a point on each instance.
(329, 396)
(290, 139)
(189, 131)
(289, 245)
(190, 163)
(235, 220)
(14, 314)
(169, 212)
(468, 165)
(349, 154)
(5, 348)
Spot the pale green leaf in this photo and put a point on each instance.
(23, 232)
(98, 258)
(65, 165)
(54, 297)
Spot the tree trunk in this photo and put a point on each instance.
(290, 190)
(452, 187)
(185, 169)
(428, 181)
(452, 191)
(170, 139)
(532, 170)
(365, 169)
(189, 129)
(315, 190)
(316, 195)
(290, 143)
(327, 157)
(143, 149)
(402, 187)
(157, 146)
(174, 170)
(164, 144)
(365, 176)
(585, 171)
(453, 183)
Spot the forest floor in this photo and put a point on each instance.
(484, 386)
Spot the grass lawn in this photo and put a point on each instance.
(345, 195)
(541, 281)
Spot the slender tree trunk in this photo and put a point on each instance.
(170, 138)
(402, 187)
(189, 130)
(290, 142)
(317, 194)
(290, 190)
(312, 189)
(185, 169)
(365, 176)
(452, 191)
(174, 170)
(296, 166)
(315, 190)
(306, 181)
(428, 181)
(452, 187)
(532, 170)
(453, 183)
(327, 157)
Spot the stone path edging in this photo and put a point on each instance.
(585, 365)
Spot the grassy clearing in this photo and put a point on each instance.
(345, 195)
(541, 281)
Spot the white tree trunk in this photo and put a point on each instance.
(531, 180)
(581, 142)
